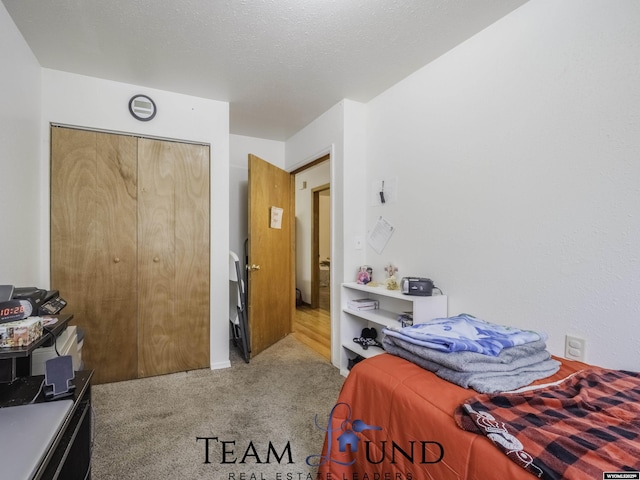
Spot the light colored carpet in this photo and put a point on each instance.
(147, 428)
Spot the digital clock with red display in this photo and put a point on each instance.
(13, 310)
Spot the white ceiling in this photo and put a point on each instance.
(279, 63)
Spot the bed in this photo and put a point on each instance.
(394, 420)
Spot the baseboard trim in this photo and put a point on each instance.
(221, 365)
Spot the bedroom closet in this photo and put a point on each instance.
(130, 250)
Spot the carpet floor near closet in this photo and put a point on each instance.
(262, 415)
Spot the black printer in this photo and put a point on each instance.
(44, 302)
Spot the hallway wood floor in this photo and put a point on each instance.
(313, 328)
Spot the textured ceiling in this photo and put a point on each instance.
(279, 63)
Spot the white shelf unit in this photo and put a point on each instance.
(392, 304)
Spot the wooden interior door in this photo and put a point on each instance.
(173, 257)
(271, 279)
(93, 244)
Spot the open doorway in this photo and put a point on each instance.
(312, 322)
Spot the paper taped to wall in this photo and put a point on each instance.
(379, 236)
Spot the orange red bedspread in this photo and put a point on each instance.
(394, 420)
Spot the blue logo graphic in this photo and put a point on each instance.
(347, 436)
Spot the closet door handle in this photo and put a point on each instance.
(253, 267)
(156, 259)
(116, 259)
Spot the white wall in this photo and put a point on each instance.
(338, 132)
(20, 190)
(517, 163)
(240, 147)
(99, 104)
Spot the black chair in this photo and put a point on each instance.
(238, 307)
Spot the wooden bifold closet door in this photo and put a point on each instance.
(173, 257)
(130, 250)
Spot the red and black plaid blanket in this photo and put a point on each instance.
(586, 425)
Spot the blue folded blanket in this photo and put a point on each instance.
(515, 367)
(509, 358)
(464, 333)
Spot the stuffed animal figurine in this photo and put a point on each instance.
(363, 276)
(391, 282)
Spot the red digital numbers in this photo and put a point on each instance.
(5, 312)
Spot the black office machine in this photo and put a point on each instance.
(416, 286)
(43, 302)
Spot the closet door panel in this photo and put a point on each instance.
(192, 254)
(173, 249)
(93, 248)
(157, 320)
(73, 229)
(116, 272)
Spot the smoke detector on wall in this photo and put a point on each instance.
(142, 108)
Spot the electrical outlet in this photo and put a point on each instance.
(574, 348)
